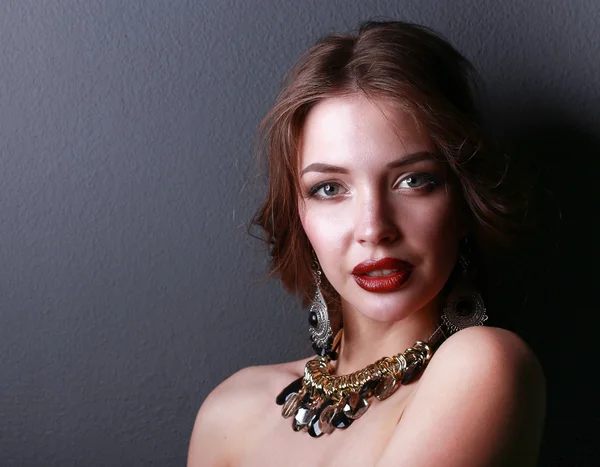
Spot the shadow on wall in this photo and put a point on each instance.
(557, 314)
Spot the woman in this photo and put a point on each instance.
(386, 210)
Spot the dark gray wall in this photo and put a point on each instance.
(128, 285)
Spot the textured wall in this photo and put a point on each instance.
(128, 285)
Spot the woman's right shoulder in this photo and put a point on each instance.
(253, 384)
(232, 408)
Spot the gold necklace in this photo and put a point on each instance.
(320, 401)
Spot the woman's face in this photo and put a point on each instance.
(381, 214)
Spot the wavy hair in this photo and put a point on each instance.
(421, 73)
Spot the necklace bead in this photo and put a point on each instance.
(355, 406)
(291, 388)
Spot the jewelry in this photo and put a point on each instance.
(320, 331)
(464, 306)
(319, 401)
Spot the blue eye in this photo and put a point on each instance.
(325, 190)
(329, 189)
(417, 181)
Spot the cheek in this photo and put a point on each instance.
(325, 229)
(433, 228)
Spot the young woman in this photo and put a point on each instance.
(387, 207)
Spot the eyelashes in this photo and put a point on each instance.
(414, 183)
(428, 181)
(327, 189)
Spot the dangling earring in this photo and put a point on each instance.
(464, 305)
(321, 334)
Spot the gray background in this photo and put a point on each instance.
(129, 287)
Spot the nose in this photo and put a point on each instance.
(375, 222)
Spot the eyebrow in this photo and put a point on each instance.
(406, 160)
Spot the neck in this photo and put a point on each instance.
(365, 340)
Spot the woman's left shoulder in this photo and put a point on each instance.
(490, 374)
(481, 401)
(484, 351)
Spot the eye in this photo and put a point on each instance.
(325, 190)
(417, 181)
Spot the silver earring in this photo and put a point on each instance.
(321, 334)
(464, 305)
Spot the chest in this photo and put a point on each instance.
(274, 443)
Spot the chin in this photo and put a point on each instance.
(387, 308)
(394, 306)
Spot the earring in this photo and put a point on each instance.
(320, 331)
(464, 305)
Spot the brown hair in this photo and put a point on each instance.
(414, 68)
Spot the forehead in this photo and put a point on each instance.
(354, 129)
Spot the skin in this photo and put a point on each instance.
(407, 212)
(481, 400)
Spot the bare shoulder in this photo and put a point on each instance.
(232, 408)
(495, 364)
(480, 402)
(488, 352)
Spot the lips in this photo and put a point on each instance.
(383, 275)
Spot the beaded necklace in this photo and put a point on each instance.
(320, 402)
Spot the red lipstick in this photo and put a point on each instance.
(397, 272)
